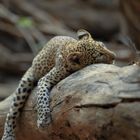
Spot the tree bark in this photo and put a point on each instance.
(99, 102)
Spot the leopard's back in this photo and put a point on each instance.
(45, 60)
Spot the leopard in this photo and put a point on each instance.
(60, 57)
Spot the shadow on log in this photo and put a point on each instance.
(99, 102)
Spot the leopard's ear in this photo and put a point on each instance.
(83, 34)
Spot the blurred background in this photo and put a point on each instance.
(26, 25)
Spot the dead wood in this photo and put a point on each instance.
(97, 102)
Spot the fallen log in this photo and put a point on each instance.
(99, 102)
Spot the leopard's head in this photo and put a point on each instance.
(89, 51)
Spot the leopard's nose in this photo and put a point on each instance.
(111, 57)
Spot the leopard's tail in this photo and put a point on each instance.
(20, 96)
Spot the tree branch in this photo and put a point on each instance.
(99, 101)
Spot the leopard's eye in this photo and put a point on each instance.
(76, 60)
(101, 54)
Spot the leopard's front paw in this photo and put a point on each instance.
(44, 119)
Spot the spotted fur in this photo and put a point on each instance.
(59, 58)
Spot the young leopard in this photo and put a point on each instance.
(60, 57)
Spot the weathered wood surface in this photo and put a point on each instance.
(95, 103)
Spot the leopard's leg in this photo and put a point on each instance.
(25, 86)
(43, 101)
